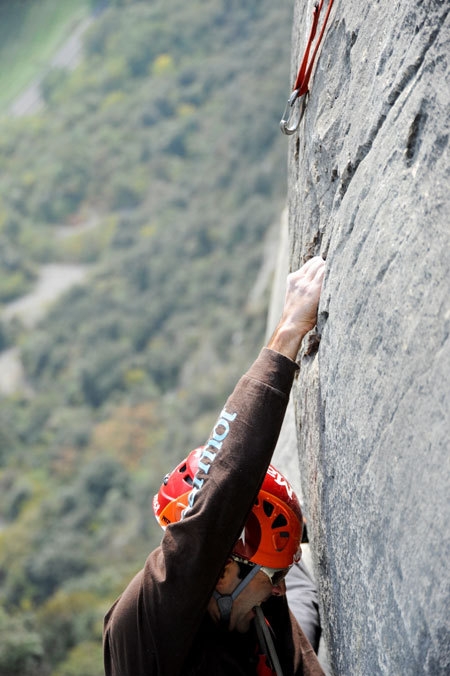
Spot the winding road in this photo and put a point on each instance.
(68, 56)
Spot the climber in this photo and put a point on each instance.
(211, 598)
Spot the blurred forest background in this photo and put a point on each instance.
(156, 171)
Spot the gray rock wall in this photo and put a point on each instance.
(369, 189)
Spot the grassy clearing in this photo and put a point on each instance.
(30, 32)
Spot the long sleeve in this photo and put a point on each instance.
(152, 627)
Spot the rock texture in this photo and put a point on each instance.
(369, 189)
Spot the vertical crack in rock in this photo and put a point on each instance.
(413, 141)
(297, 149)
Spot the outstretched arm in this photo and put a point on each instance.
(300, 307)
(169, 597)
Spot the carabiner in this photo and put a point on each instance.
(289, 123)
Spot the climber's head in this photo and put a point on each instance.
(268, 546)
(272, 533)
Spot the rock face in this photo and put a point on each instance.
(369, 189)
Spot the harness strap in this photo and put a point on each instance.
(266, 642)
(225, 601)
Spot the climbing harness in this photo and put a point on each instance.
(289, 123)
(225, 601)
(266, 643)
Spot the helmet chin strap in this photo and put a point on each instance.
(225, 601)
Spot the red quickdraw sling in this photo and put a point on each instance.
(289, 123)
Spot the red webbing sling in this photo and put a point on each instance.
(301, 85)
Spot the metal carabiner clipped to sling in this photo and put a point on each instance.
(290, 121)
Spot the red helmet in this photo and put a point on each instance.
(272, 533)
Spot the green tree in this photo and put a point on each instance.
(21, 649)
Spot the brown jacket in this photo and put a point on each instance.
(159, 626)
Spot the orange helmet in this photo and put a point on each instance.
(272, 533)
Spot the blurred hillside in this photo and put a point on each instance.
(157, 168)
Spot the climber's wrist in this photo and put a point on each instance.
(287, 339)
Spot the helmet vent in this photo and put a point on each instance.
(268, 508)
(280, 521)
